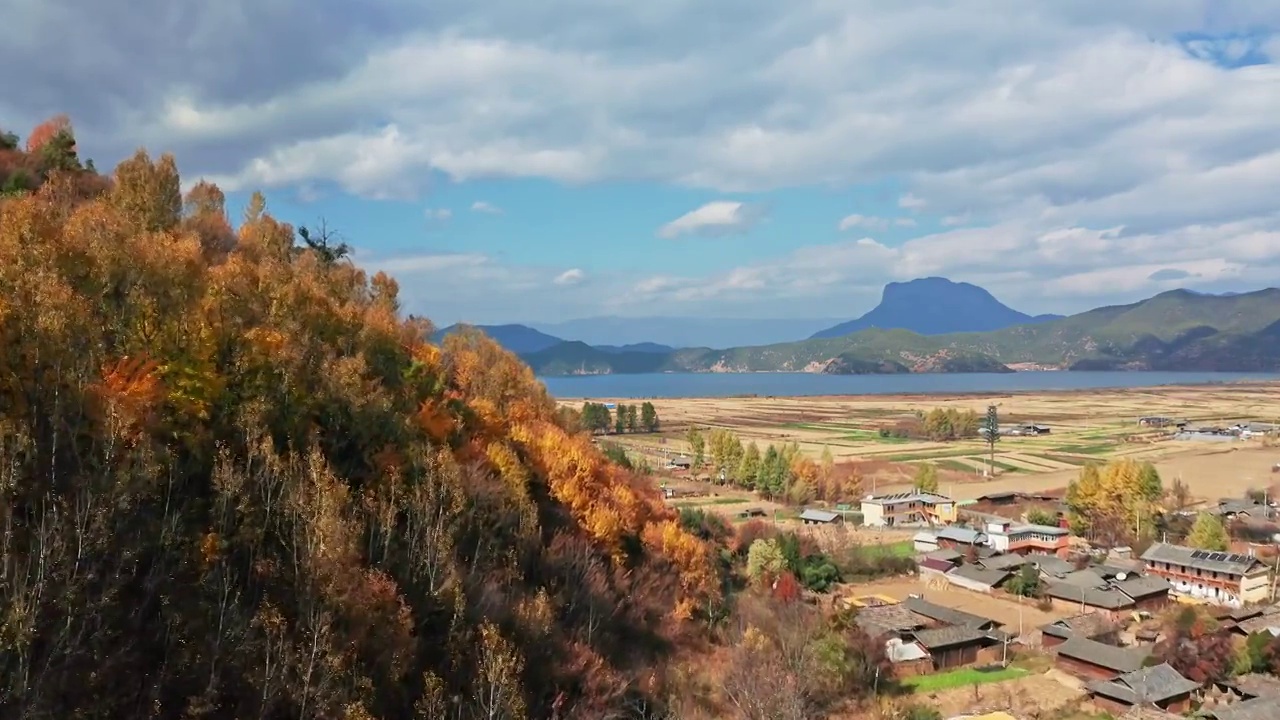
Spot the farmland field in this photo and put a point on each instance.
(1087, 426)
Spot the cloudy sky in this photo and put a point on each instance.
(516, 161)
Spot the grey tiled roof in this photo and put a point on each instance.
(1051, 564)
(1142, 586)
(888, 619)
(949, 635)
(1257, 685)
(1083, 578)
(1003, 562)
(927, 498)
(1108, 598)
(1262, 708)
(1087, 625)
(1149, 685)
(818, 515)
(1222, 562)
(961, 535)
(945, 555)
(940, 613)
(985, 576)
(1121, 660)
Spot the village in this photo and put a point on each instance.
(1006, 610)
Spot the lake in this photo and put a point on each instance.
(678, 385)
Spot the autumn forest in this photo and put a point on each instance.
(237, 484)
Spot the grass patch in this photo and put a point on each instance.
(1065, 460)
(866, 436)
(933, 455)
(963, 677)
(1087, 449)
(905, 548)
(1006, 467)
(957, 466)
(698, 502)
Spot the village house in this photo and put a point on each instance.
(977, 578)
(960, 538)
(813, 516)
(955, 646)
(1090, 626)
(1103, 590)
(1158, 685)
(1093, 660)
(949, 638)
(1218, 577)
(1007, 536)
(913, 508)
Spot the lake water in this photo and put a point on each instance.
(677, 385)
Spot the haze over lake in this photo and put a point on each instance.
(677, 385)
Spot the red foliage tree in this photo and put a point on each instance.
(786, 589)
(46, 131)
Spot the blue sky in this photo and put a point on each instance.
(538, 162)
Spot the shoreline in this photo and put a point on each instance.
(939, 394)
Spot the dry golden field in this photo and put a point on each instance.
(1087, 426)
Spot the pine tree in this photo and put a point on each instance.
(991, 431)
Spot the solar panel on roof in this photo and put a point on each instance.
(1198, 554)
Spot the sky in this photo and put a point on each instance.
(511, 161)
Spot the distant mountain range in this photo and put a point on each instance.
(523, 340)
(678, 332)
(935, 306)
(1175, 330)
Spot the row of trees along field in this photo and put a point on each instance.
(596, 418)
(1126, 502)
(236, 483)
(938, 425)
(777, 472)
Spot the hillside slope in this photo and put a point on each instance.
(935, 306)
(237, 484)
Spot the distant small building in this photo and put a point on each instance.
(813, 516)
(1010, 537)
(913, 508)
(682, 463)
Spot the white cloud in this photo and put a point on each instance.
(720, 217)
(487, 208)
(440, 214)
(572, 276)
(1029, 130)
(911, 202)
(862, 221)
